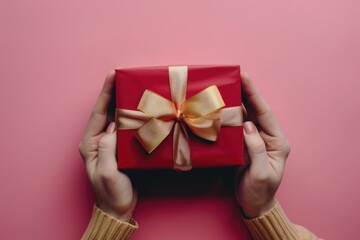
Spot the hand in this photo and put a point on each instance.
(266, 154)
(113, 189)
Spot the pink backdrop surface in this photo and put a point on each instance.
(54, 55)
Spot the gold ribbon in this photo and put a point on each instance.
(156, 116)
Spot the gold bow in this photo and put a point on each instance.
(203, 113)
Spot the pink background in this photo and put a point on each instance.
(54, 55)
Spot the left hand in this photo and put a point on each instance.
(267, 151)
(113, 189)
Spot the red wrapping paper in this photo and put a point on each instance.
(227, 150)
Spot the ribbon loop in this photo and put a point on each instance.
(156, 106)
(206, 101)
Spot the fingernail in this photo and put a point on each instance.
(249, 127)
(111, 128)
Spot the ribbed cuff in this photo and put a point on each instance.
(104, 226)
(272, 225)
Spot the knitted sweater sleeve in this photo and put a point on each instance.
(275, 225)
(103, 226)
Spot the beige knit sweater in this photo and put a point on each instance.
(272, 225)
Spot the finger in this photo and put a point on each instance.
(256, 149)
(262, 111)
(106, 162)
(97, 121)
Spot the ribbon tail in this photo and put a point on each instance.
(181, 148)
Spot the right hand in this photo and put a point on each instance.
(113, 189)
(267, 149)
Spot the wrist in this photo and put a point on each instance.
(257, 210)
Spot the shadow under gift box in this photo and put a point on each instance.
(200, 182)
(227, 150)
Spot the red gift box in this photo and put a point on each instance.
(132, 84)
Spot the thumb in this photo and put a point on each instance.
(107, 150)
(256, 149)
